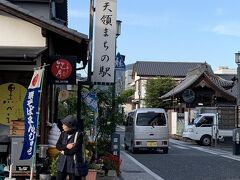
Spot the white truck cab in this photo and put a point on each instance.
(205, 127)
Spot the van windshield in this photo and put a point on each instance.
(151, 119)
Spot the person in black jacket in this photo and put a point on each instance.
(67, 148)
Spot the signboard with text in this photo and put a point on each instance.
(120, 62)
(104, 45)
(30, 108)
(62, 70)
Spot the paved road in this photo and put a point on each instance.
(185, 160)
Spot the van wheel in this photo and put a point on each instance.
(165, 150)
(206, 140)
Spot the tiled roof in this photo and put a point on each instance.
(230, 77)
(225, 86)
(173, 69)
(227, 76)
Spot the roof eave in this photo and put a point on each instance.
(54, 27)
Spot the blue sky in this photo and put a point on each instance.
(172, 30)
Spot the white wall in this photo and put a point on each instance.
(225, 70)
(17, 32)
(173, 123)
(128, 78)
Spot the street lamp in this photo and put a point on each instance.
(237, 61)
(236, 150)
(118, 28)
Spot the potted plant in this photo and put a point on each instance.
(92, 173)
(110, 163)
(53, 167)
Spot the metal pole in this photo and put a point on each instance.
(118, 33)
(90, 40)
(139, 93)
(33, 167)
(80, 123)
(238, 84)
(114, 88)
(238, 92)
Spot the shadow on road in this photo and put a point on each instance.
(146, 151)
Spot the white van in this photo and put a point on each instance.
(146, 128)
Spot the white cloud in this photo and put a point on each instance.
(231, 28)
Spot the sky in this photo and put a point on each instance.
(172, 30)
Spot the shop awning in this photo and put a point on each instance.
(24, 53)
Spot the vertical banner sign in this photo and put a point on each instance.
(90, 99)
(104, 45)
(30, 108)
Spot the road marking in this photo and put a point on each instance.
(219, 153)
(206, 150)
(180, 147)
(143, 167)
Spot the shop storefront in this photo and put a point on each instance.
(28, 41)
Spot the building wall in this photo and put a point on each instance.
(127, 108)
(225, 70)
(17, 32)
(128, 78)
(140, 89)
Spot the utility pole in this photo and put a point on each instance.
(118, 33)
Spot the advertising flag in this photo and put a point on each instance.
(90, 99)
(30, 108)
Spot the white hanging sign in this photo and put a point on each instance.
(104, 45)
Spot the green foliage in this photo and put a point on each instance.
(103, 146)
(95, 166)
(53, 166)
(125, 96)
(69, 106)
(108, 117)
(155, 88)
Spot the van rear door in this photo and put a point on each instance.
(151, 125)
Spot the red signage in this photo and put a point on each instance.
(61, 69)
